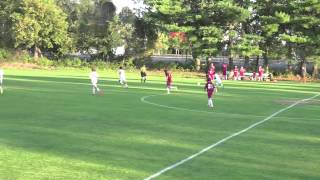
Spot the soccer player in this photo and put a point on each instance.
(143, 73)
(209, 87)
(122, 77)
(169, 80)
(94, 76)
(261, 71)
(254, 76)
(212, 72)
(224, 71)
(235, 73)
(1, 80)
(242, 71)
(218, 80)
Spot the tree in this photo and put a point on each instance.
(209, 25)
(299, 30)
(143, 35)
(248, 46)
(115, 35)
(162, 43)
(128, 21)
(178, 41)
(7, 7)
(232, 15)
(41, 25)
(267, 18)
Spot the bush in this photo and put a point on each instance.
(113, 65)
(159, 65)
(187, 66)
(67, 62)
(99, 64)
(129, 64)
(26, 58)
(76, 62)
(44, 62)
(3, 54)
(172, 66)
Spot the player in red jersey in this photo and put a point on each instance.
(209, 87)
(224, 71)
(242, 71)
(169, 80)
(235, 73)
(261, 71)
(212, 72)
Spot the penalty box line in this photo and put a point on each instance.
(144, 100)
(226, 139)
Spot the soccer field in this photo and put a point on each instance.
(51, 127)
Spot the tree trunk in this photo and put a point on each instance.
(265, 58)
(257, 63)
(230, 62)
(246, 62)
(37, 52)
(230, 44)
(198, 64)
(207, 65)
(315, 73)
(304, 70)
(289, 67)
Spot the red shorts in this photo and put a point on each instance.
(210, 92)
(169, 83)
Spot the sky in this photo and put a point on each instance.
(123, 3)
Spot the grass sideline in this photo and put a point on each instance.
(52, 128)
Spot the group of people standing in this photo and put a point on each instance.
(237, 74)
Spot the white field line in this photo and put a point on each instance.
(143, 99)
(225, 139)
(101, 84)
(156, 89)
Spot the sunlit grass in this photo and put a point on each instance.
(51, 127)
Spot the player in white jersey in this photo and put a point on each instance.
(94, 76)
(1, 80)
(218, 82)
(122, 77)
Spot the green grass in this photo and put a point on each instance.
(51, 127)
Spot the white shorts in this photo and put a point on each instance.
(94, 82)
(122, 80)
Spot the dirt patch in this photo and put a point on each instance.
(20, 65)
(292, 101)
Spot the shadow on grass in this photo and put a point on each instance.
(102, 131)
(118, 131)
